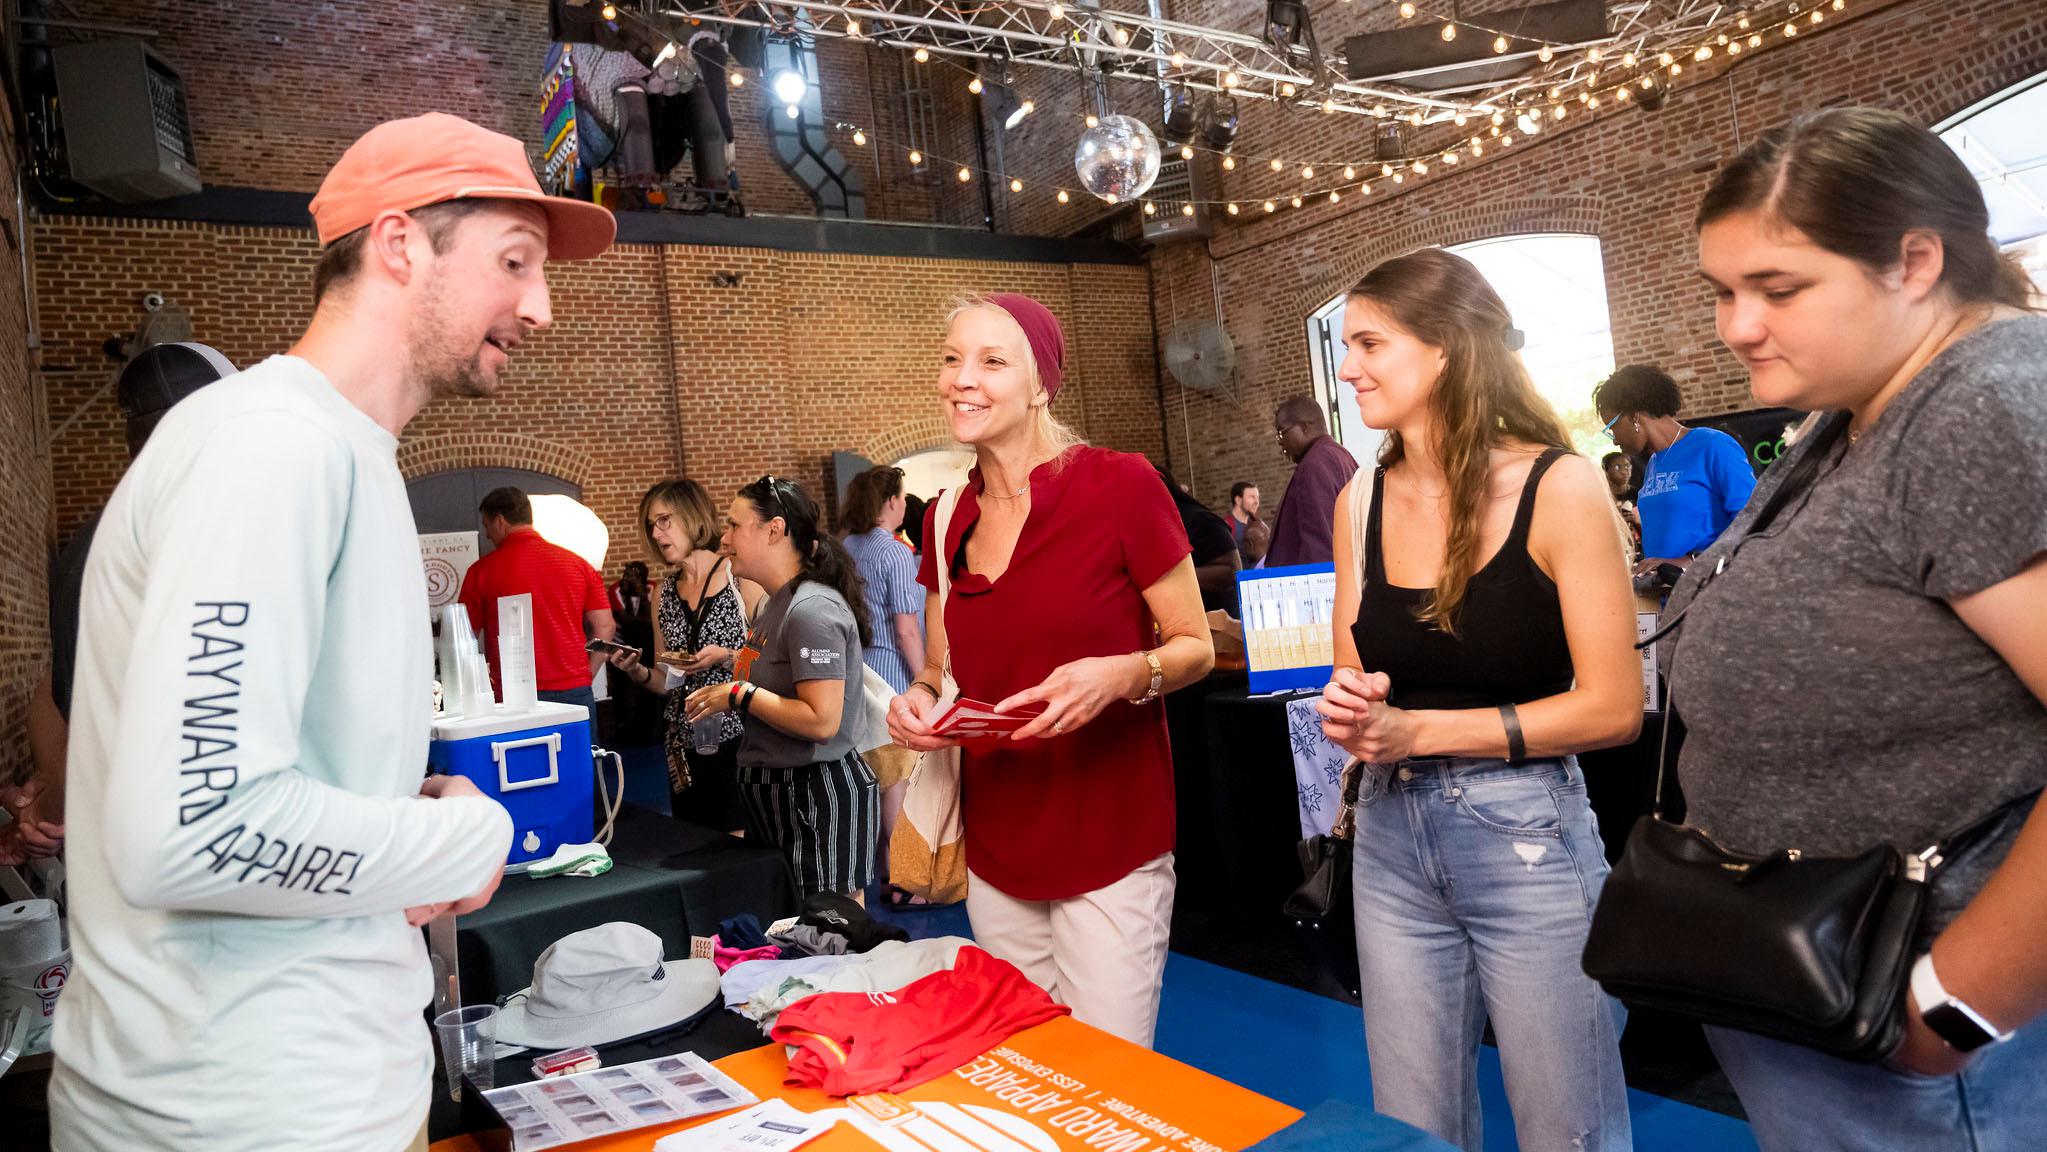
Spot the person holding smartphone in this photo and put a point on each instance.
(700, 623)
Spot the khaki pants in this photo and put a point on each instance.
(1102, 953)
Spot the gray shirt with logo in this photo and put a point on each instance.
(805, 631)
(1832, 696)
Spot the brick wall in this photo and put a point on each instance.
(649, 369)
(278, 88)
(24, 486)
(1631, 178)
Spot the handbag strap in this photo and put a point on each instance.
(948, 502)
(1358, 505)
(1804, 476)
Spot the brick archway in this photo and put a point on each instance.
(909, 438)
(456, 450)
(1571, 214)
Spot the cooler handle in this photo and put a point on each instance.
(553, 741)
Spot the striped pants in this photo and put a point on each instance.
(826, 819)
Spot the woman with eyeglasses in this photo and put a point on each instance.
(1071, 590)
(1697, 479)
(795, 687)
(1901, 588)
(702, 619)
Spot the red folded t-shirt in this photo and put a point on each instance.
(852, 1042)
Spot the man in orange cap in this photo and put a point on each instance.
(251, 849)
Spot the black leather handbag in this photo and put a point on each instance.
(1814, 950)
(1322, 904)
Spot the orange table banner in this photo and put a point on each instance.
(1059, 1087)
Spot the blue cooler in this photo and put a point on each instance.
(536, 762)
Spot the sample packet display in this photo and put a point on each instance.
(566, 1109)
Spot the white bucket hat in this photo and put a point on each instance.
(603, 985)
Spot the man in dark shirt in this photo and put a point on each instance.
(1301, 534)
(158, 377)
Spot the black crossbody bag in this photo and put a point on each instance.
(1814, 950)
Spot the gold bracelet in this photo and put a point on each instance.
(1158, 678)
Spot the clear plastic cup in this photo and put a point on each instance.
(469, 1042)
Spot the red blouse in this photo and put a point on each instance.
(1051, 818)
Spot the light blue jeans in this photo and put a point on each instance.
(1799, 1100)
(1474, 881)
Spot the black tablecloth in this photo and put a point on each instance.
(674, 879)
(1253, 805)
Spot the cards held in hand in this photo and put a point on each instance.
(970, 719)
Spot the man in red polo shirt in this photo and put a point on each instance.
(570, 602)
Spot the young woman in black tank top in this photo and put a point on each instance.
(1490, 640)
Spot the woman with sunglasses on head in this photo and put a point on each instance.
(1900, 585)
(796, 687)
(1697, 479)
(702, 619)
(1489, 643)
(1070, 589)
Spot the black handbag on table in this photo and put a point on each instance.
(1814, 950)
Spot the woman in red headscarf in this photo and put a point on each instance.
(1071, 589)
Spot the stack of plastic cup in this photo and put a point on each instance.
(515, 652)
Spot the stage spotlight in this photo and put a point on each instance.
(1181, 118)
(1219, 123)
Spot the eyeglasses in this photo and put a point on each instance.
(660, 522)
(1607, 429)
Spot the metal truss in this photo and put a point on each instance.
(1084, 38)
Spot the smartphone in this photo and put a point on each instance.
(608, 646)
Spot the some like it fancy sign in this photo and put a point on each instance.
(446, 556)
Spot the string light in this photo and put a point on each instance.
(735, 80)
(1231, 80)
(1122, 36)
(610, 12)
(1270, 206)
(1407, 11)
(1307, 171)
(1179, 59)
(1449, 32)
(916, 157)
(1279, 165)
(1734, 49)
(1499, 44)
(1297, 201)
(852, 27)
(1056, 12)
(923, 57)
(1110, 197)
(1233, 208)
(1093, 121)
(1016, 185)
(1545, 54)
(1816, 16)
(1229, 163)
(1334, 196)
(1628, 61)
(1592, 54)
(1063, 197)
(1756, 41)
(1385, 169)
(1186, 152)
(1399, 177)
(859, 137)
(1287, 90)
(1449, 157)
(1421, 168)
(1150, 209)
(1328, 106)
(966, 174)
(1349, 173)
(1791, 29)
(1186, 209)
(974, 86)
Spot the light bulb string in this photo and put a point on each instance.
(1365, 172)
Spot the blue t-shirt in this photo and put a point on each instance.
(1691, 492)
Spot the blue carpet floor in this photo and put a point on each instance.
(1303, 1049)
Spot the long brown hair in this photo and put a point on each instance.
(1855, 180)
(866, 496)
(1482, 400)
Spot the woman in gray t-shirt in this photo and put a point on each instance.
(1871, 666)
(797, 687)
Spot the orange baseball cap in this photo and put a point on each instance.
(405, 164)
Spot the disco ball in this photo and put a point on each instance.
(1117, 159)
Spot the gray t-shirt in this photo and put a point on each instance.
(805, 631)
(1833, 698)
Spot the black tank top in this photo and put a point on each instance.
(1509, 647)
